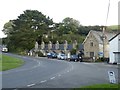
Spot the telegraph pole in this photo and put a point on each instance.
(104, 28)
(103, 42)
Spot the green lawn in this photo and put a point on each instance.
(8, 62)
(92, 87)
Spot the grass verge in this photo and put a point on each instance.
(8, 62)
(99, 86)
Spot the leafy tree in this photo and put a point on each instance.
(68, 25)
(8, 27)
(84, 30)
(27, 29)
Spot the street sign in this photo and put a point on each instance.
(111, 77)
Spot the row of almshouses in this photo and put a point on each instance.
(94, 47)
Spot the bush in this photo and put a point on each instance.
(103, 60)
(73, 51)
(99, 60)
(40, 54)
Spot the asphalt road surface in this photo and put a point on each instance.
(51, 73)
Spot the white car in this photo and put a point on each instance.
(4, 49)
(58, 56)
(62, 56)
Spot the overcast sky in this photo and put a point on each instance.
(87, 12)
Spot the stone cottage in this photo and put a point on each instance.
(96, 44)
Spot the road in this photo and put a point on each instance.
(50, 73)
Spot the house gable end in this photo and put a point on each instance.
(93, 34)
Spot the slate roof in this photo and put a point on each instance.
(114, 37)
(98, 35)
(61, 46)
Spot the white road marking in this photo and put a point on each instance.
(31, 85)
(52, 78)
(43, 81)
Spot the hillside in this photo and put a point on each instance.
(114, 27)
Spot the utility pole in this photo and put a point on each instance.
(104, 36)
(103, 42)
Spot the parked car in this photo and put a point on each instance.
(58, 56)
(54, 55)
(4, 49)
(62, 56)
(74, 58)
(51, 55)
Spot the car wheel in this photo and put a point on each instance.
(75, 60)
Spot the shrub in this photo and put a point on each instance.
(73, 51)
(103, 60)
(40, 54)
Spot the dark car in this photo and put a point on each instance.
(74, 58)
(49, 55)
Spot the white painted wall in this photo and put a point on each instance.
(114, 47)
(119, 42)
